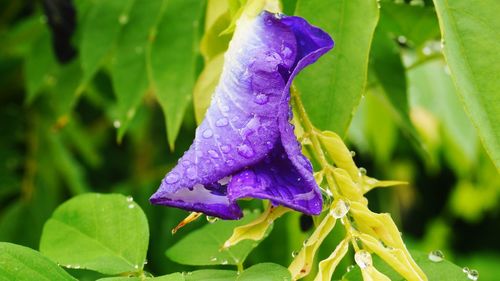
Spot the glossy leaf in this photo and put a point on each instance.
(105, 233)
(469, 33)
(24, 264)
(265, 272)
(204, 246)
(332, 87)
(173, 62)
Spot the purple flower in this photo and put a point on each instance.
(245, 146)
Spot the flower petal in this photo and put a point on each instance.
(247, 118)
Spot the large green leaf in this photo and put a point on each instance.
(332, 87)
(470, 34)
(265, 272)
(100, 31)
(169, 277)
(204, 246)
(105, 233)
(24, 264)
(128, 68)
(173, 61)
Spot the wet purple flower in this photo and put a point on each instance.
(245, 146)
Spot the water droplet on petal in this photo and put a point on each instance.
(245, 150)
(211, 219)
(207, 133)
(353, 153)
(261, 99)
(191, 173)
(172, 178)
(362, 171)
(117, 124)
(225, 148)
(436, 256)
(340, 209)
(222, 122)
(213, 154)
(229, 162)
(473, 275)
(294, 254)
(363, 259)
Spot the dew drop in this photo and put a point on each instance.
(269, 144)
(131, 206)
(363, 259)
(351, 267)
(436, 256)
(224, 262)
(117, 124)
(191, 173)
(362, 171)
(207, 133)
(473, 275)
(245, 150)
(225, 148)
(130, 199)
(305, 242)
(294, 254)
(172, 178)
(353, 153)
(76, 266)
(229, 162)
(261, 99)
(221, 122)
(211, 219)
(465, 270)
(402, 40)
(123, 19)
(340, 209)
(213, 154)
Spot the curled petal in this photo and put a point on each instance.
(246, 134)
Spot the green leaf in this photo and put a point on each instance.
(169, 277)
(24, 264)
(204, 246)
(40, 67)
(211, 275)
(442, 271)
(387, 66)
(416, 23)
(128, 68)
(332, 87)
(173, 61)
(100, 31)
(470, 33)
(105, 233)
(265, 272)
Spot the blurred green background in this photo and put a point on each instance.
(101, 100)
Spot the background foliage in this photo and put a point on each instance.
(411, 85)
